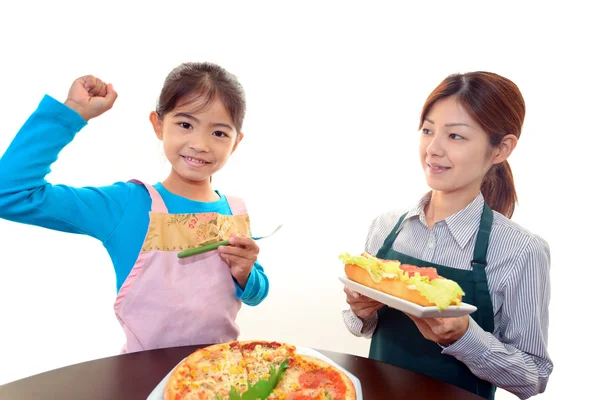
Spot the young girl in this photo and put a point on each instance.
(162, 301)
(470, 125)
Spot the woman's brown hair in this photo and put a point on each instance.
(497, 105)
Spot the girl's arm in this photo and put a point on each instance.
(26, 196)
(520, 362)
(257, 287)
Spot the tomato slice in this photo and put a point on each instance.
(429, 272)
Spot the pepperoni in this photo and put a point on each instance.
(292, 361)
(250, 346)
(320, 378)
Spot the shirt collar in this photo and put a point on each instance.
(462, 224)
(465, 223)
(417, 212)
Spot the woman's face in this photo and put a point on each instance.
(455, 151)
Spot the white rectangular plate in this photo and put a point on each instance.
(157, 393)
(407, 306)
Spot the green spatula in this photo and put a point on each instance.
(213, 246)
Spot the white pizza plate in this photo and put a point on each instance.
(157, 393)
(407, 306)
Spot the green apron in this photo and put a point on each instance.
(398, 341)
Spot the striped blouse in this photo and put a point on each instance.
(515, 356)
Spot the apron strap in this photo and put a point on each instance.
(483, 237)
(481, 243)
(485, 310)
(389, 240)
(158, 204)
(237, 205)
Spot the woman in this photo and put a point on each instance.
(470, 124)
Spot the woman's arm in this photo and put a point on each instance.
(359, 327)
(361, 319)
(519, 362)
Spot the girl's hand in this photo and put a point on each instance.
(90, 97)
(364, 307)
(240, 255)
(444, 331)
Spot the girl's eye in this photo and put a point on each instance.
(220, 134)
(426, 131)
(455, 136)
(185, 125)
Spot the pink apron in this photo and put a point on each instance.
(166, 301)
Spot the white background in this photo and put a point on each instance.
(334, 92)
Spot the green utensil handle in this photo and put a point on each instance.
(202, 249)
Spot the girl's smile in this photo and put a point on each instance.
(195, 162)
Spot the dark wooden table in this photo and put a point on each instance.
(133, 376)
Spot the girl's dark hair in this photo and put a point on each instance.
(193, 81)
(497, 105)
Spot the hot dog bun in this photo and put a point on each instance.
(393, 287)
(419, 285)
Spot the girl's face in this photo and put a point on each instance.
(455, 151)
(197, 143)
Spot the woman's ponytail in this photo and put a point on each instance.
(498, 189)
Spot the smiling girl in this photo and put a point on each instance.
(470, 124)
(162, 300)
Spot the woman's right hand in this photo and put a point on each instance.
(90, 97)
(364, 307)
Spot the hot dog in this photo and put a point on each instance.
(419, 285)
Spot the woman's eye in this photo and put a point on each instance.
(426, 131)
(219, 134)
(455, 136)
(185, 125)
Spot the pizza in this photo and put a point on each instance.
(254, 370)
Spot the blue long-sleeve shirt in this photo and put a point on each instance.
(117, 214)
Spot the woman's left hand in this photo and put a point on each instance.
(240, 255)
(444, 331)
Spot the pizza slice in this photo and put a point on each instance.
(261, 356)
(311, 378)
(209, 373)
